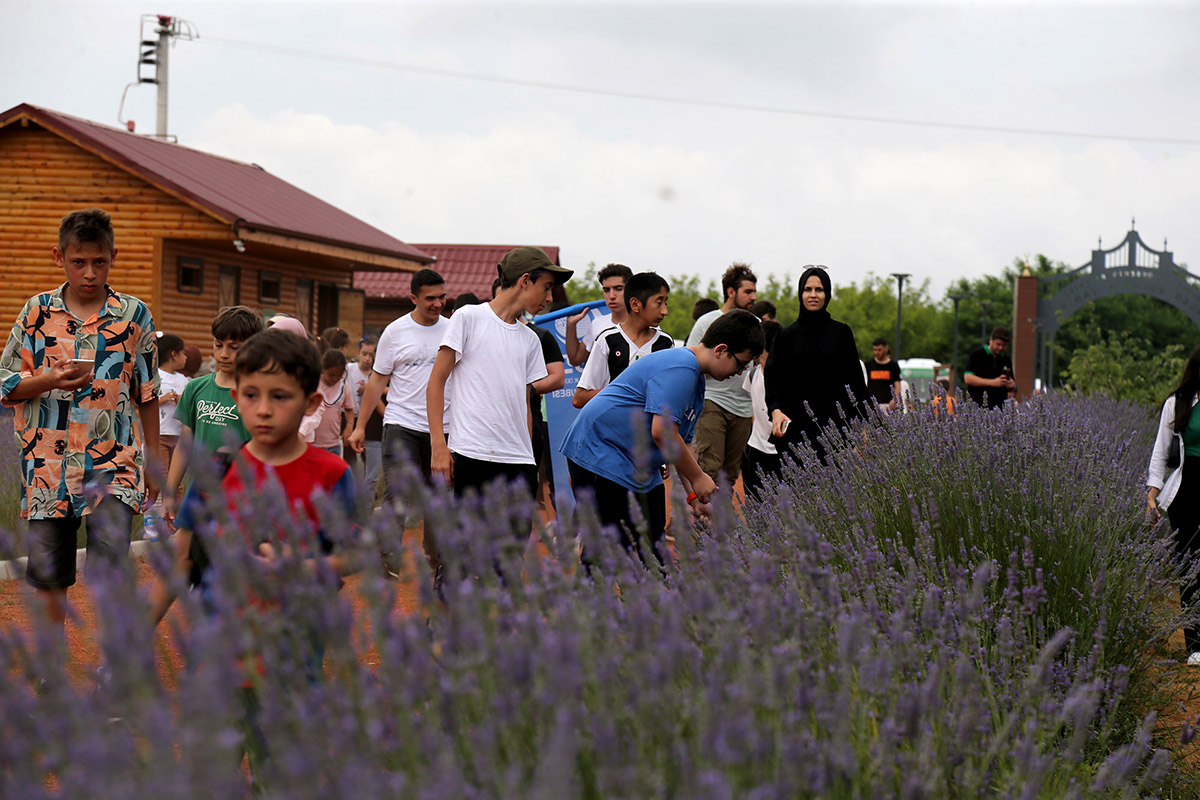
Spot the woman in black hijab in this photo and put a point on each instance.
(814, 361)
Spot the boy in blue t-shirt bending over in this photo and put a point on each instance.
(616, 443)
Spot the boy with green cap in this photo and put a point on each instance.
(493, 359)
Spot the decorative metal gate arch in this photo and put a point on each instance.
(1129, 268)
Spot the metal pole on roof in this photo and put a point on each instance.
(163, 51)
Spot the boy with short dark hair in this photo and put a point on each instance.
(80, 370)
(275, 384)
(494, 359)
(172, 382)
(207, 410)
(613, 279)
(647, 417)
(617, 347)
(883, 376)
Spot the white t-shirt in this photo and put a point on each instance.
(727, 393)
(598, 319)
(170, 382)
(354, 379)
(760, 430)
(406, 352)
(595, 372)
(494, 364)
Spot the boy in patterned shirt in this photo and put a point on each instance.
(80, 370)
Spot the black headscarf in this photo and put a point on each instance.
(815, 317)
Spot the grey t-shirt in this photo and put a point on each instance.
(728, 394)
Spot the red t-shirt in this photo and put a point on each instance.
(316, 472)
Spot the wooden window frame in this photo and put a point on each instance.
(265, 276)
(184, 263)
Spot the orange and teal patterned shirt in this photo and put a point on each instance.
(79, 446)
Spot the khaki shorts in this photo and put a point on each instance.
(721, 441)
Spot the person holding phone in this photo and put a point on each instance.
(80, 369)
(989, 372)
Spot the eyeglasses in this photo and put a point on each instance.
(741, 364)
(807, 267)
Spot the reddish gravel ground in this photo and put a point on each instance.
(16, 599)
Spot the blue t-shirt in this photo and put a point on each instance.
(611, 436)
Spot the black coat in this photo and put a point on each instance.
(813, 361)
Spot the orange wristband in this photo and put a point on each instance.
(691, 496)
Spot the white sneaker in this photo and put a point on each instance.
(1194, 659)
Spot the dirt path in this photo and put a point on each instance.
(17, 598)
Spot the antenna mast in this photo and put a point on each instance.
(154, 61)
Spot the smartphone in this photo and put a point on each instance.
(86, 363)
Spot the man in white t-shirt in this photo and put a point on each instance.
(612, 282)
(493, 359)
(404, 358)
(725, 424)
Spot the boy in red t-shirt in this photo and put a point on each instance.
(275, 385)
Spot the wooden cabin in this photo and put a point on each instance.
(466, 268)
(194, 231)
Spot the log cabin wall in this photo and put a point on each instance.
(383, 312)
(44, 177)
(189, 314)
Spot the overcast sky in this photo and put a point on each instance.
(323, 95)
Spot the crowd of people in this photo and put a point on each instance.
(105, 405)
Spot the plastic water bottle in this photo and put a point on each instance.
(154, 527)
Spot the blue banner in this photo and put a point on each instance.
(559, 411)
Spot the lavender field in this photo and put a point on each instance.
(966, 607)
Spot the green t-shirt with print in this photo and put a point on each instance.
(210, 411)
(1191, 434)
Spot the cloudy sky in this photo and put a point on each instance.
(683, 135)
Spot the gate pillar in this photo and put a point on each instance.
(1024, 327)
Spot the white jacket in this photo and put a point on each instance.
(1158, 456)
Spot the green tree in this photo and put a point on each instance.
(685, 291)
(869, 309)
(1127, 368)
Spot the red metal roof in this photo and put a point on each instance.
(466, 268)
(229, 190)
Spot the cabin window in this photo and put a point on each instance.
(270, 288)
(190, 277)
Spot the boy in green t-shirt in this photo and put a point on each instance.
(207, 410)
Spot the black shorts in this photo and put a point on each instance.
(51, 543)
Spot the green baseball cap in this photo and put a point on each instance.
(521, 260)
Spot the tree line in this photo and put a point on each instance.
(1130, 347)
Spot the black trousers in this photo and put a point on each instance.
(471, 474)
(755, 460)
(1184, 515)
(614, 506)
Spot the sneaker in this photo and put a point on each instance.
(1194, 659)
